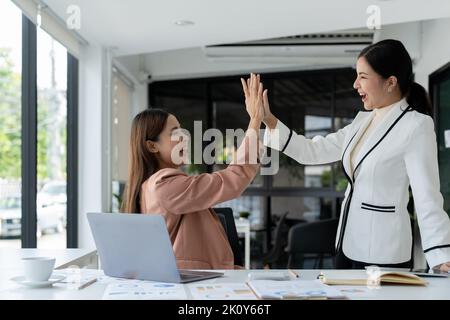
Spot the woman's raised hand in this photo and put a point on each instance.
(268, 118)
(253, 91)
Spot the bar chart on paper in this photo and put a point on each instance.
(143, 290)
(222, 291)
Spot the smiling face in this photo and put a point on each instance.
(374, 90)
(171, 146)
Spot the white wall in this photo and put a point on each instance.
(428, 43)
(140, 98)
(192, 63)
(435, 47)
(90, 140)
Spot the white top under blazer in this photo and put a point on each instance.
(401, 151)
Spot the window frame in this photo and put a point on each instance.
(29, 141)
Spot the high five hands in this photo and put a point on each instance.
(254, 95)
(253, 91)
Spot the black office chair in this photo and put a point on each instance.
(316, 238)
(227, 218)
(278, 245)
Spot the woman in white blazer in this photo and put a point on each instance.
(383, 152)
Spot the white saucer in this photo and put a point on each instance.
(38, 284)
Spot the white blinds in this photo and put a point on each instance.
(53, 25)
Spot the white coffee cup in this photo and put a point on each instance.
(38, 268)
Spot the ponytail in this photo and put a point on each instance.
(419, 100)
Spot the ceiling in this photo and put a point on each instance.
(146, 26)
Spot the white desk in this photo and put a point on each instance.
(10, 258)
(243, 226)
(437, 288)
(10, 266)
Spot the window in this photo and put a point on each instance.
(188, 103)
(440, 94)
(51, 200)
(247, 204)
(38, 136)
(228, 112)
(303, 208)
(10, 124)
(444, 137)
(303, 104)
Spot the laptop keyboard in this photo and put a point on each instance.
(190, 274)
(186, 276)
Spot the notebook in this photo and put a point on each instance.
(388, 277)
(293, 289)
(265, 275)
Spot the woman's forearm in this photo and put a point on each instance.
(271, 122)
(249, 151)
(254, 125)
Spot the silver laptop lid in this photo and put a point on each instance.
(134, 246)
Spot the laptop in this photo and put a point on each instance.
(137, 246)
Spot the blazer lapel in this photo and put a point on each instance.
(354, 138)
(374, 139)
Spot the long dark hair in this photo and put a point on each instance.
(147, 125)
(390, 58)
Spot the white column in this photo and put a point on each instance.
(91, 189)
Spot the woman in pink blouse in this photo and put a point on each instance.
(156, 185)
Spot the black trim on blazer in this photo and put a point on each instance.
(377, 207)
(349, 198)
(288, 140)
(352, 180)
(342, 159)
(437, 247)
(378, 210)
(381, 139)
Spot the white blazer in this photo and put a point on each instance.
(374, 224)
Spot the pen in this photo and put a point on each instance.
(294, 274)
(87, 284)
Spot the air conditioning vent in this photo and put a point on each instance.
(323, 45)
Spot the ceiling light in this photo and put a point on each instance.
(183, 23)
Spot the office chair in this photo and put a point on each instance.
(227, 218)
(278, 245)
(312, 238)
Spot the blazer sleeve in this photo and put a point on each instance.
(179, 193)
(422, 168)
(318, 150)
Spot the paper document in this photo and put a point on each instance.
(294, 289)
(221, 291)
(358, 292)
(76, 278)
(268, 275)
(378, 278)
(144, 290)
